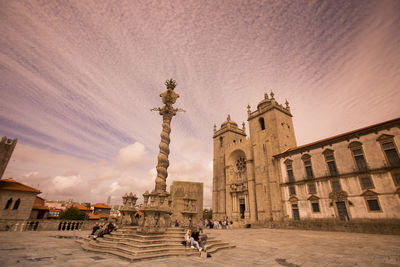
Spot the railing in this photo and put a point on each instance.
(45, 225)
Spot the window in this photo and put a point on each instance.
(295, 209)
(366, 183)
(312, 189)
(8, 204)
(360, 160)
(373, 205)
(16, 205)
(336, 186)
(396, 178)
(292, 190)
(289, 170)
(315, 207)
(221, 141)
(330, 160)
(391, 154)
(307, 164)
(358, 154)
(262, 123)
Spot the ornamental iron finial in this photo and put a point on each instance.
(171, 84)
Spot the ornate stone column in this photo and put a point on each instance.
(157, 204)
(128, 209)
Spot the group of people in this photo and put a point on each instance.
(218, 224)
(99, 230)
(195, 240)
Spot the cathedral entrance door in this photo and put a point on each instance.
(342, 211)
(242, 207)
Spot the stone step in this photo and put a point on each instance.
(132, 258)
(135, 245)
(142, 236)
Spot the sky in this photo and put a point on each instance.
(78, 80)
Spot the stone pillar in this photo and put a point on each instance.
(157, 213)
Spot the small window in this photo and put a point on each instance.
(312, 189)
(289, 170)
(292, 190)
(359, 158)
(8, 204)
(309, 172)
(330, 161)
(307, 164)
(16, 205)
(391, 154)
(262, 123)
(396, 177)
(373, 205)
(336, 186)
(366, 183)
(315, 207)
(221, 141)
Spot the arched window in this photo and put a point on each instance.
(262, 123)
(8, 204)
(16, 205)
(307, 164)
(358, 154)
(221, 141)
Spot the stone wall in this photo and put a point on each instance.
(376, 226)
(45, 225)
(181, 193)
(24, 209)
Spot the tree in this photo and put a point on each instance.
(73, 214)
(207, 214)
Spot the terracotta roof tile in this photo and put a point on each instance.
(81, 207)
(101, 206)
(10, 184)
(93, 216)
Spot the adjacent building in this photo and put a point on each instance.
(266, 177)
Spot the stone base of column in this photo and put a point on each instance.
(156, 216)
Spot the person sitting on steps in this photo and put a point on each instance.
(190, 240)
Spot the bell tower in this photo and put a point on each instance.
(271, 133)
(228, 134)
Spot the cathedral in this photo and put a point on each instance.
(265, 177)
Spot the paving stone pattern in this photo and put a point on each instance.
(254, 247)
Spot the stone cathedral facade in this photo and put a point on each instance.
(265, 177)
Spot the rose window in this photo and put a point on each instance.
(241, 165)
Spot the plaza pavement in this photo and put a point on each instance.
(254, 247)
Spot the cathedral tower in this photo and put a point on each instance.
(271, 133)
(227, 135)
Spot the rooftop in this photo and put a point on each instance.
(341, 137)
(10, 184)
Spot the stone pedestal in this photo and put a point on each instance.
(128, 209)
(189, 212)
(156, 210)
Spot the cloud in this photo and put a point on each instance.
(77, 89)
(131, 155)
(67, 183)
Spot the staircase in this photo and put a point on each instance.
(128, 244)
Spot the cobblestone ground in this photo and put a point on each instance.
(254, 247)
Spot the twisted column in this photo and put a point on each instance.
(163, 161)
